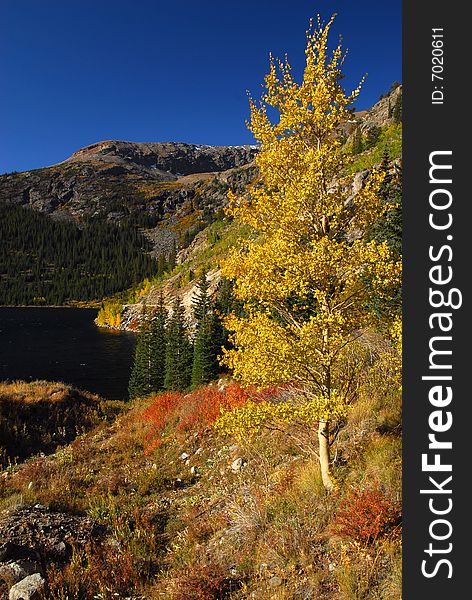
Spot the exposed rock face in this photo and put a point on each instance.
(380, 114)
(12, 572)
(117, 179)
(132, 314)
(172, 158)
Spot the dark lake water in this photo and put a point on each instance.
(63, 344)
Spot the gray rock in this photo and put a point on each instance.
(60, 549)
(28, 588)
(275, 581)
(237, 464)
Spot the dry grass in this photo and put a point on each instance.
(40, 416)
(183, 526)
(36, 391)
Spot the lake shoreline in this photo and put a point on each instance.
(94, 305)
(64, 344)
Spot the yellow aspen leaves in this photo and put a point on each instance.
(306, 274)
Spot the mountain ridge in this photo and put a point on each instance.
(163, 193)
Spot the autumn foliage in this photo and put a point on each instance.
(199, 410)
(306, 275)
(366, 515)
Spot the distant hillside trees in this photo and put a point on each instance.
(51, 261)
(372, 136)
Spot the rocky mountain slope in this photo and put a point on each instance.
(114, 179)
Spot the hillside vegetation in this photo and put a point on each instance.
(40, 416)
(189, 513)
(208, 246)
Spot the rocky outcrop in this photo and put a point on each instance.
(172, 158)
(38, 534)
(380, 115)
(116, 180)
(132, 314)
(32, 539)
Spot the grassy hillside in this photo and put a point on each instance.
(189, 513)
(40, 416)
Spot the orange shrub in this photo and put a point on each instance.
(205, 405)
(159, 413)
(366, 515)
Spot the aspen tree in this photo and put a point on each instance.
(307, 272)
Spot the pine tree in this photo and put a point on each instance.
(157, 343)
(161, 264)
(139, 383)
(373, 136)
(223, 305)
(178, 351)
(204, 358)
(147, 375)
(357, 142)
(397, 109)
(172, 260)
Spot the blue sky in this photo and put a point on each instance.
(75, 72)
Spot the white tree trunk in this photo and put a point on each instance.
(323, 440)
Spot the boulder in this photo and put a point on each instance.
(237, 464)
(28, 588)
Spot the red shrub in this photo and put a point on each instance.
(366, 515)
(198, 410)
(163, 409)
(204, 406)
(204, 582)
